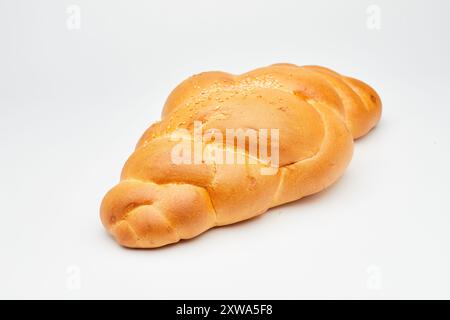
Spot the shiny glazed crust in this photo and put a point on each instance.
(318, 113)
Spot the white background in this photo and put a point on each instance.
(74, 102)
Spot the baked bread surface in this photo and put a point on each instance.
(317, 111)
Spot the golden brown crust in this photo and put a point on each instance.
(317, 111)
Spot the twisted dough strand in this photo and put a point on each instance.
(317, 111)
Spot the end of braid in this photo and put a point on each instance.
(361, 102)
(146, 215)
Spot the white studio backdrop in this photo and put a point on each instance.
(81, 80)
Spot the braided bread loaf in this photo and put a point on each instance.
(318, 114)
